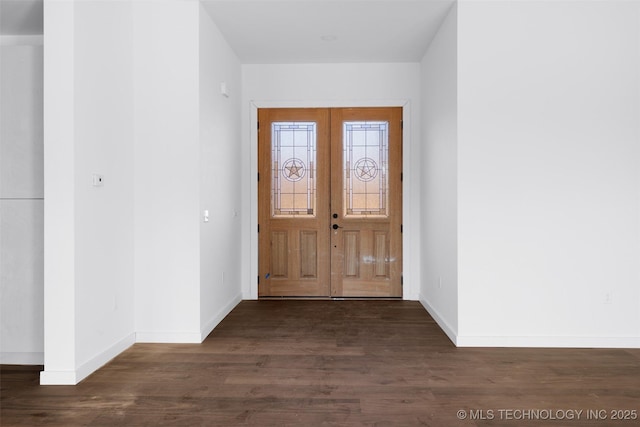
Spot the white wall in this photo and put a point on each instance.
(220, 176)
(549, 164)
(21, 202)
(59, 190)
(439, 183)
(88, 230)
(166, 177)
(103, 215)
(186, 152)
(332, 85)
(547, 177)
(124, 259)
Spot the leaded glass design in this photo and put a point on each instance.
(293, 156)
(366, 163)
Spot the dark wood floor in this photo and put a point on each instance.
(345, 363)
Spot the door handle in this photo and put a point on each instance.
(335, 226)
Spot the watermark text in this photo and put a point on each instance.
(523, 414)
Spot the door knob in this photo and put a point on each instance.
(336, 226)
(335, 215)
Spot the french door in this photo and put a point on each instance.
(330, 202)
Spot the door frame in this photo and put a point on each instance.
(410, 204)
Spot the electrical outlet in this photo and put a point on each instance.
(224, 90)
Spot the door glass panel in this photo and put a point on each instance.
(365, 162)
(293, 156)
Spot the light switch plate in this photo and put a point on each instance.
(98, 180)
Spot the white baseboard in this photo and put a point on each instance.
(444, 325)
(74, 377)
(21, 358)
(410, 296)
(188, 337)
(168, 337)
(529, 341)
(48, 377)
(217, 318)
(101, 359)
(548, 342)
(58, 378)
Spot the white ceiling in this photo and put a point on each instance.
(292, 31)
(277, 31)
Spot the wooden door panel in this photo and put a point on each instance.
(293, 240)
(380, 255)
(373, 242)
(351, 253)
(366, 257)
(309, 254)
(363, 261)
(340, 236)
(296, 259)
(280, 254)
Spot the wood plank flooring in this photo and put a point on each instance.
(343, 363)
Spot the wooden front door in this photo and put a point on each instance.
(330, 202)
